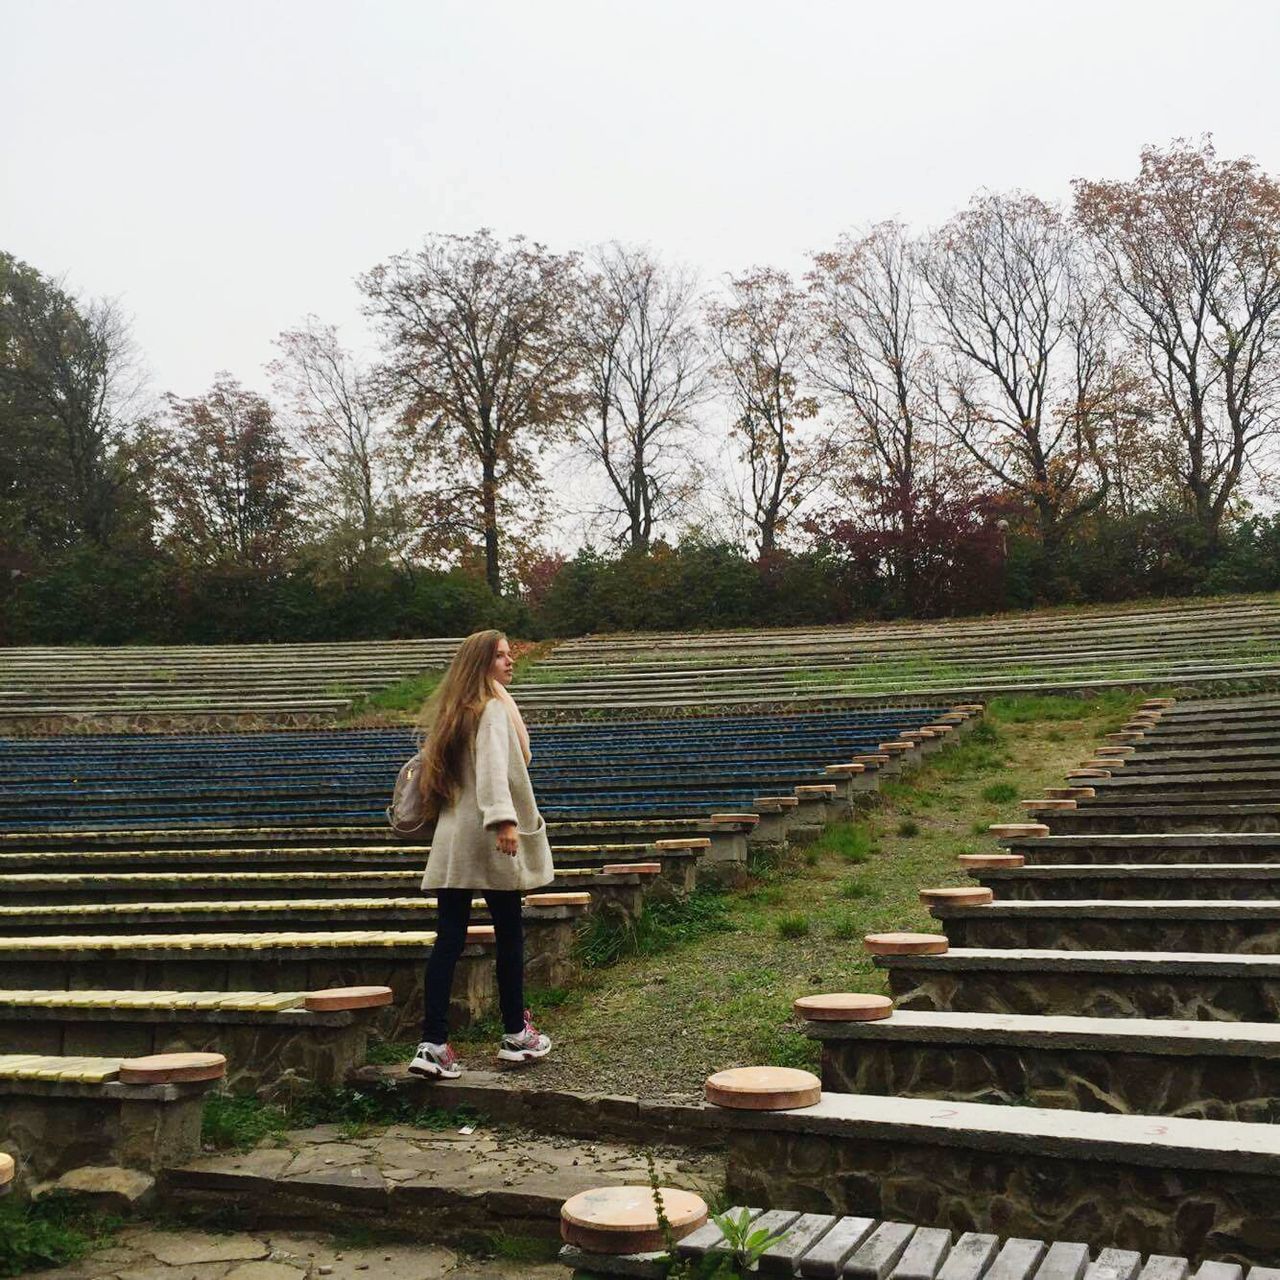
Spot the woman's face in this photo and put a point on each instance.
(503, 665)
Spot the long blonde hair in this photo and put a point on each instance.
(450, 718)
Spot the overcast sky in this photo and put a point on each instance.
(225, 168)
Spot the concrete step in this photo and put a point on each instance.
(1199, 880)
(1198, 1070)
(1196, 986)
(1119, 1179)
(1251, 927)
(1148, 847)
(1187, 813)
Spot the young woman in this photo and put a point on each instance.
(489, 839)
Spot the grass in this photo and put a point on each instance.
(239, 1122)
(718, 991)
(398, 703)
(53, 1231)
(663, 925)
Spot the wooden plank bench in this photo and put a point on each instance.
(261, 961)
(59, 1113)
(827, 1246)
(274, 1041)
(542, 912)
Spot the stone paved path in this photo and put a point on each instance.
(142, 1253)
(532, 1173)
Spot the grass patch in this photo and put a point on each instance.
(851, 841)
(1000, 793)
(793, 925)
(240, 1122)
(399, 702)
(661, 927)
(908, 828)
(54, 1231)
(854, 888)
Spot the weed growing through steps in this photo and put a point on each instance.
(53, 1231)
(239, 1122)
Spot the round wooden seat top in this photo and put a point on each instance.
(763, 1088)
(624, 1219)
(7, 1169)
(977, 861)
(844, 1006)
(967, 896)
(905, 944)
(333, 999)
(172, 1068)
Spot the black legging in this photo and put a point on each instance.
(453, 916)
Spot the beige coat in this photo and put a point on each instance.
(495, 788)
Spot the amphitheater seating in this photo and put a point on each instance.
(582, 773)
(161, 687)
(1228, 640)
(1124, 967)
(273, 1040)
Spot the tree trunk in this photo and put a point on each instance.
(489, 498)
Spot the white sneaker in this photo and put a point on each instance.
(436, 1062)
(525, 1046)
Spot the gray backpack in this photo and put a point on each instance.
(407, 812)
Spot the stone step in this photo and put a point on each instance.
(1134, 924)
(1166, 815)
(1148, 847)
(825, 1246)
(1133, 787)
(214, 916)
(1199, 880)
(1196, 1070)
(1198, 986)
(1121, 1179)
(436, 1184)
(272, 1040)
(1196, 789)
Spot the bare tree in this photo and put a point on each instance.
(761, 332)
(644, 369)
(333, 417)
(1028, 370)
(481, 358)
(872, 359)
(1191, 247)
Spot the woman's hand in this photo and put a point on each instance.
(506, 836)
